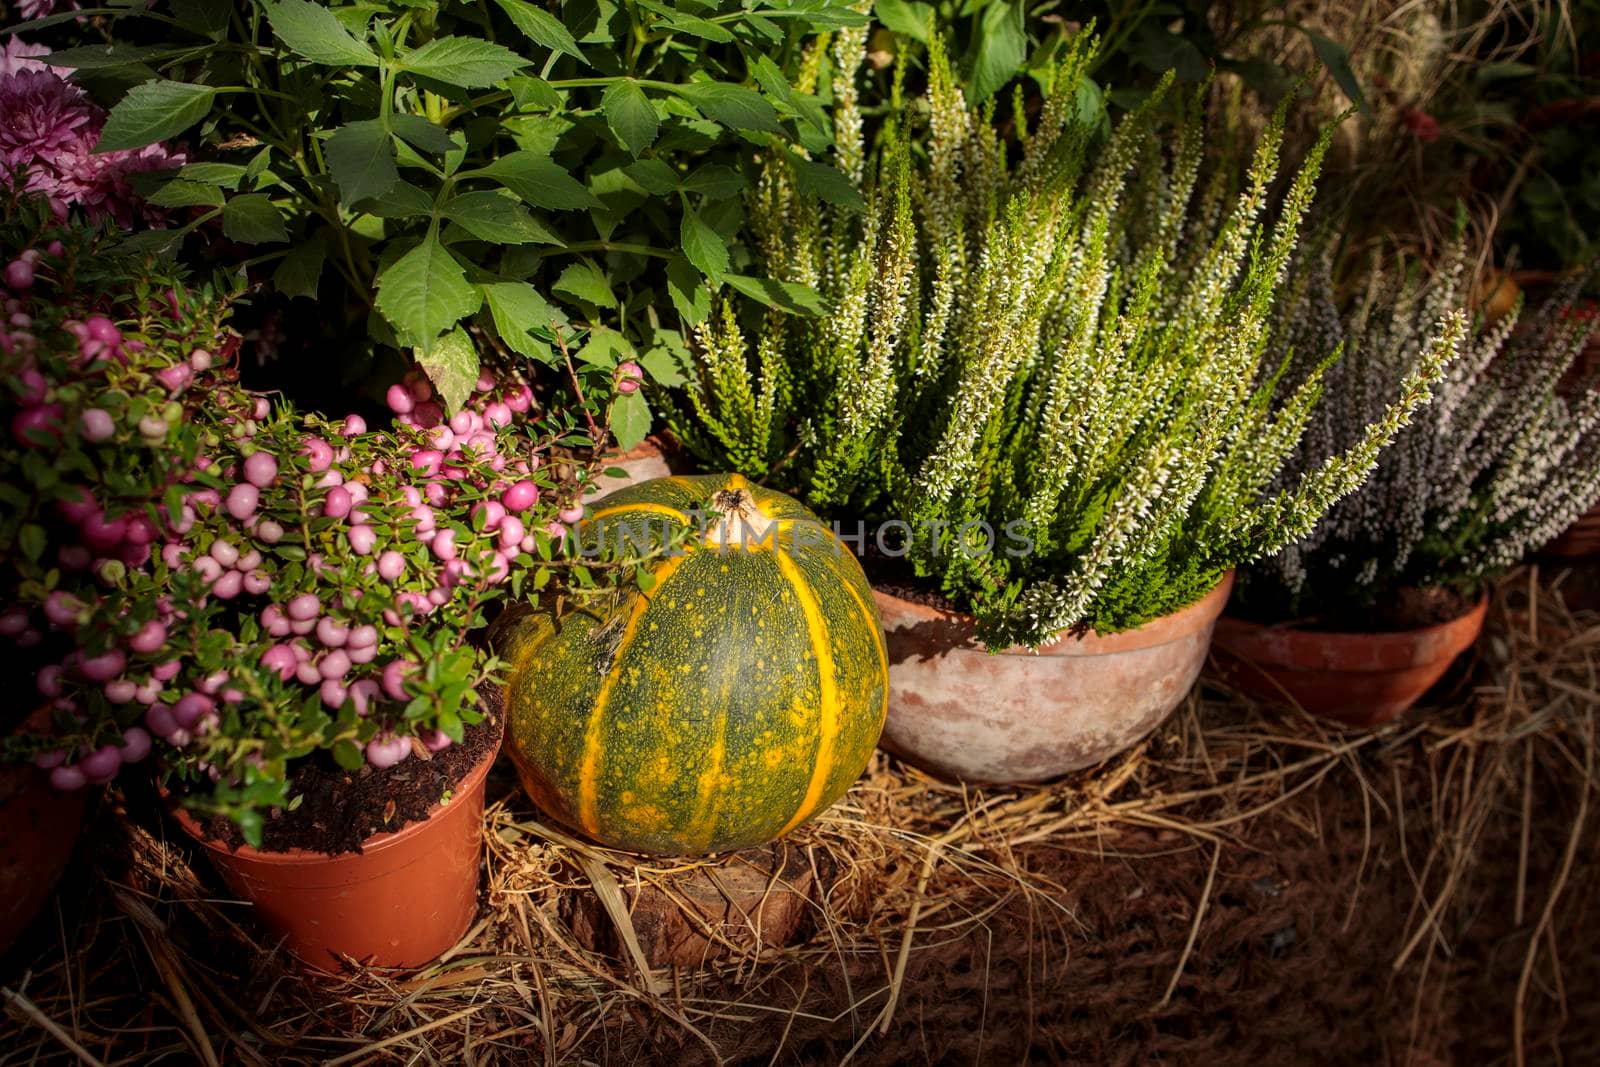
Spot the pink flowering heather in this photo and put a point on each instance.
(48, 130)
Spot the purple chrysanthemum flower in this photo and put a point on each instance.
(48, 132)
(19, 55)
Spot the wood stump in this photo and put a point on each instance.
(735, 905)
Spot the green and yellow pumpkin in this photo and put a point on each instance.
(735, 699)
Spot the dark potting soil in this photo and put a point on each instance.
(340, 809)
(1410, 608)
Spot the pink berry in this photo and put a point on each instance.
(105, 666)
(167, 671)
(190, 708)
(497, 414)
(176, 378)
(62, 608)
(337, 503)
(260, 469)
(103, 534)
(332, 634)
(511, 533)
(102, 764)
(14, 621)
(629, 376)
(103, 330)
(149, 638)
(428, 415)
(364, 636)
(305, 606)
(269, 532)
(319, 452)
(256, 583)
(493, 513)
(571, 513)
(50, 759)
(427, 461)
(485, 382)
(230, 585)
(436, 740)
(386, 750)
(37, 425)
(95, 425)
(67, 779)
(399, 400)
(393, 679)
(48, 681)
(444, 544)
(135, 744)
(224, 552)
(363, 694)
(19, 274)
(280, 658)
(200, 360)
(391, 565)
(421, 389)
(354, 425)
(333, 692)
(521, 496)
(363, 539)
(335, 664)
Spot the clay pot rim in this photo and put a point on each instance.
(377, 843)
(1299, 643)
(1158, 631)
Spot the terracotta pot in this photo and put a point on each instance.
(642, 463)
(406, 897)
(1581, 539)
(38, 828)
(1018, 716)
(1353, 678)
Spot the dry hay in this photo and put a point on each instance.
(1246, 886)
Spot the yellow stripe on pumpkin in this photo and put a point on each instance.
(653, 509)
(827, 689)
(589, 771)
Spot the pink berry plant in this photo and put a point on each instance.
(206, 573)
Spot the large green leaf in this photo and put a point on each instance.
(910, 17)
(182, 193)
(425, 292)
(254, 219)
(789, 296)
(154, 112)
(583, 281)
(518, 308)
(466, 62)
(687, 290)
(998, 51)
(715, 181)
(1336, 57)
(310, 30)
(420, 133)
(301, 269)
(541, 27)
(540, 181)
(360, 156)
(452, 364)
(828, 183)
(732, 105)
(702, 245)
(630, 115)
(493, 215)
(630, 420)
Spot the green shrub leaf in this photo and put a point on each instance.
(360, 156)
(630, 115)
(425, 292)
(154, 112)
(310, 30)
(463, 61)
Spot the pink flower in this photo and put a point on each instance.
(36, 9)
(48, 130)
(18, 55)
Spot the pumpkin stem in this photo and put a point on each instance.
(742, 523)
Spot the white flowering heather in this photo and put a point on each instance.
(1499, 464)
(1020, 335)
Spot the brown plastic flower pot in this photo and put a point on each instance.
(38, 828)
(1019, 716)
(401, 901)
(1353, 678)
